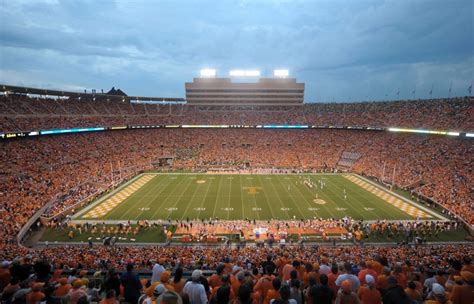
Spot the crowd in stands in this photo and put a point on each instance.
(35, 171)
(20, 113)
(81, 274)
(62, 170)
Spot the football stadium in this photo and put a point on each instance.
(341, 179)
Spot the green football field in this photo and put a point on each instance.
(154, 196)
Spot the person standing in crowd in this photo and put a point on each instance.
(131, 285)
(347, 275)
(412, 293)
(321, 294)
(463, 290)
(156, 271)
(112, 281)
(264, 284)
(195, 290)
(368, 294)
(395, 293)
(285, 294)
(437, 295)
(110, 298)
(345, 294)
(178, 281)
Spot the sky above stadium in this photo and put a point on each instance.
(343, 50)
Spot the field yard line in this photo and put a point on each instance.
(134, 205)
(217, 196)
(189, 202)
(241, 198)
(281, 202)
(166, 198)
(230, 195)
(385, 215)
(322, 206)
(434, 214)
(304, 198)
(256, 206)
(346, 202)
(252, 199)
(106, 197)
(291, 197)
(361, 204)
(204, 197)
(266, 201)
(151, 203)
(341, 199)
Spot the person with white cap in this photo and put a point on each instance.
(158, 290)
(368, 294)
(195, 290)
(437, 295)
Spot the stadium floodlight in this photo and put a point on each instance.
(253, 73)
(244, 73)
(237, 73)
(280, 73)
(208, 73)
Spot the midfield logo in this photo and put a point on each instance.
(252, 190)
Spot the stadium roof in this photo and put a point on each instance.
(112, 94)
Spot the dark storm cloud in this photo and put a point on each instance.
(342, 50)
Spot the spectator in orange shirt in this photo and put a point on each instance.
(382, 280)
(224, 291)
(468, 266)
(399, 275)
(287, 270)
(366, 269)
(237, 280)
(63, 288)
(264, 284)
(273, 293)
(178, 281)
(463, 293)
(368, 294)
(332, 277)
(215, 280)
(36, 295)
(110, 298)
(412, 293)
(346, 295)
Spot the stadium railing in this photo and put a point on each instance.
(26, 228)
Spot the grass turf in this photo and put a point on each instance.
(156, 235)
(145, 235)
(260, 197)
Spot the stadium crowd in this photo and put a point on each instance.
(19, 113)
(75, 274)
(62, 170)
(35, 171)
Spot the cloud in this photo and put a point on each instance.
(341, 49)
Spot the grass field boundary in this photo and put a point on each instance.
(427, 210)
(78, 217)
(108, 195)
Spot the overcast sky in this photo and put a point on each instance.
(343, 50)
